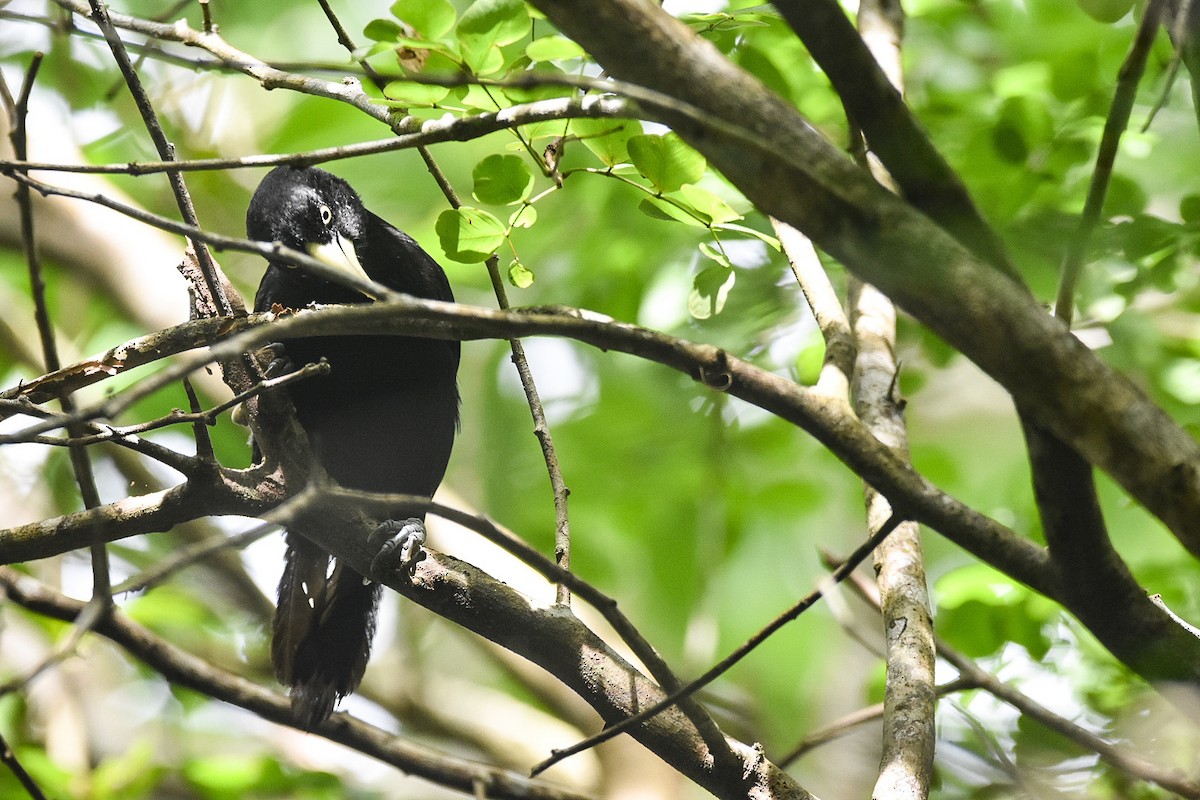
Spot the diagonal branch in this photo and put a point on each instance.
(789, 171)
(829, 421)
(185, 669)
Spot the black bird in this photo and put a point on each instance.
(383, 419)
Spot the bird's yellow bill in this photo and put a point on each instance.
(340, 255)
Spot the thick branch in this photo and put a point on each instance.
(787, 170)
(892, 132)
(829, 421)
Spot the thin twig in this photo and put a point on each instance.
(1114, 126)
(271, 251)
(119, 434)
(843, 726)
(9, 759)
(431, 132)
(185, 557)
(166, 151)
(719, 669)
(184, 464)
(81, 463)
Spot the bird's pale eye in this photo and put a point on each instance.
(326, 215)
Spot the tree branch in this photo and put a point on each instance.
(185, 669)
(786, 169)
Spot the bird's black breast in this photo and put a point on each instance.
(383, 419)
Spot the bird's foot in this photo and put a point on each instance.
(399, 547)
(275, 356)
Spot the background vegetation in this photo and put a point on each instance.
(702, 514)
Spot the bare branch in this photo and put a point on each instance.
(430, 132)
(185, 669)
(830, 422)
(1114, 126)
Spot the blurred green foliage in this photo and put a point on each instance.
(703, 516)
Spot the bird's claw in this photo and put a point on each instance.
(273, 360)
(399, 547)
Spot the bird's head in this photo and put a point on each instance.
(309, 210)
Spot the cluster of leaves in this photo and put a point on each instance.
(498, 40)
(1022, 136)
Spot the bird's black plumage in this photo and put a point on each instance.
(383, 419)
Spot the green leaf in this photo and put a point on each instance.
(523, 217)
(552, 48)
(708, 204)
(766, 238)
(661, 208)
(519, 276)
(1189, 208)
(607, 138)
(483, 60)
(981, 610)
(416, 94)
(709, 250)
(709, 292)
(469, 235)
(499, 22)
(502, 179)
(666, 161)
(430, 18)
(488, 25)
(382, 30)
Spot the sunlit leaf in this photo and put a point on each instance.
(430, 18)
(486, 26)
(666, 161)
(553, 48)
(708, 204)
(469, 235)
(519, 276)
(502, 179)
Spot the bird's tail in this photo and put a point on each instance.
(323, 627)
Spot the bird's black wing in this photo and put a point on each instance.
(383, 420)
(420, 276)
